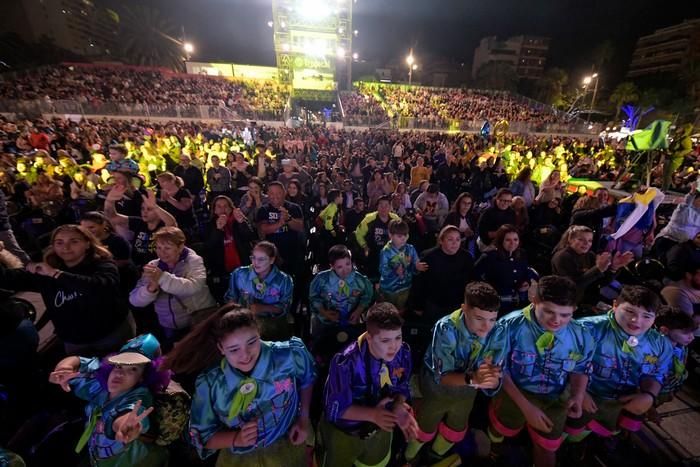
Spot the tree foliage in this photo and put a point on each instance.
(148, 38)
(497, 75)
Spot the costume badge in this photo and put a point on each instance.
(247, 388)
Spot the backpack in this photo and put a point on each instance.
(170, 415)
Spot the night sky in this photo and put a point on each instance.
(236, 30)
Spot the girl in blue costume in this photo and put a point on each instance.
(119, 391)
(252, 404)
(265, 290)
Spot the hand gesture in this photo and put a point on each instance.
(299, 431)
(130, 424)
(589, 404)
(574, 407)
(620, 260)
(238, 215)
(285, 214)
(42, 269)
(221, 221)
(62, 377)
(330, 315)
(637, 404)
(422, 266)
(487, 376)
(406, 421)
(538, 420)
(355, 317)
(602, 261)
(248, 435)
(383, 418)
(150, 199)
(116, 193)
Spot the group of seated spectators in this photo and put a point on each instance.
(92, 84)
(442, 104)
(268, 268)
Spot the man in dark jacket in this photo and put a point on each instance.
(497, 215)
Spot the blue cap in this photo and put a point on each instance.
(139, 350)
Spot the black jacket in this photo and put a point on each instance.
(84, 302)
(244, 234)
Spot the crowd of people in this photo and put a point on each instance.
(90, 84)
(432, 293)
(440, 105)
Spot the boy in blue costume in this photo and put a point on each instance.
(398, 263)
(630, 364)
(338, 297)
(448, 380)
(545, 357)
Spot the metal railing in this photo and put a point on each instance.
(438, 124)
(136, 110)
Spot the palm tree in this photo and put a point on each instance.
(551, 86)
(148, 38)
(603, 53)
(624, 93)
(497, 75)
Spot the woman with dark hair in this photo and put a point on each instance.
(102, 229)
(523, 186)
(231, 233)
(253, 199)
(506, 269)
(79, 284)
(178, 201)
(461, 217)
(252, 402)
(264, 289)
(573, 258)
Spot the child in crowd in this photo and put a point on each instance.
(366, 395)
(448, 380)
(630, 364)
(545, 358)
(338, 297)
(264, 289)
(118, 161)
(679, 328)
(398, 263)
(252, 405)
(119, 391)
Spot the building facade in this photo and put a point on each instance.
(527, 54)
(666, 50)
(83, 27)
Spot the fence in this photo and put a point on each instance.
(136, 110)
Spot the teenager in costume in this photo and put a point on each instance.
(119, 392)
(630, 364)
(366, 395)
(545, 357)
(449, 379)
(252, 402)
(265, 290)
(338, 297)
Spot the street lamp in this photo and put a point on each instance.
(586, 81)
(411, 62)
(188, 48)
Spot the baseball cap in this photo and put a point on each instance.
(139, 350)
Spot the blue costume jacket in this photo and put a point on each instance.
(617, 366)
(538, 361)
(282, 370)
